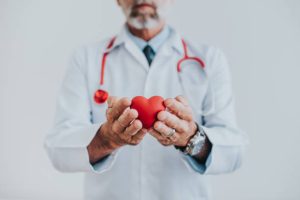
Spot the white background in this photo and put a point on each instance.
(260, 38)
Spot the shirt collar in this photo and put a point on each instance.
(173, 37)
(155, 42)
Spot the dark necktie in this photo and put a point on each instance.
(149, 53)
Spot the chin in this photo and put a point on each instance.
(143, 24)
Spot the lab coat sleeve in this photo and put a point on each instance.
(66, 143)
(219, 124)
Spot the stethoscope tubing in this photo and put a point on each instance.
(101, 96)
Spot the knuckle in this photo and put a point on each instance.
(137, 124)
(124, 101)
(132, 114)
(159, 115)
(172, 117)
(185, 128)
(174, 124)
(180, 113)
(131, 132)
(133, 142)
(120, 118)
(108, 113)
(134, 111)
(182, 99)
(114, 128)
(139, 136)
(157, 125)
(164, 143)
(115, 114)
(169, 102)
(128, 131)
(175, 138)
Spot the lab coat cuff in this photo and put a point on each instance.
(223, 158)
(69, 152)
(193, 165)
(105, 163)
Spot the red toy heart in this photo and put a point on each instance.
(147, 109)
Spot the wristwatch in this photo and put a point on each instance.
(195, 144)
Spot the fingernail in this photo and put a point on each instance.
(168, 102)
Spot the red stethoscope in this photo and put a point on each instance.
(101, 96)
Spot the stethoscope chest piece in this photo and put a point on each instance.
(100, 96)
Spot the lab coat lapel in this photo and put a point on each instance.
(193, 79)
(175, 42)
(136, 53)
(171, 48)
(123, 39)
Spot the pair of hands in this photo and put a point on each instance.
(123, 128)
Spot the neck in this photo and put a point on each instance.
(146, 34)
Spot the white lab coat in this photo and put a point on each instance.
(148, 171)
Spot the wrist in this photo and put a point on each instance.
(193, 133)
(106, 137)
(195, 143)
(101, 145)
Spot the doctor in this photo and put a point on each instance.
(195, 136)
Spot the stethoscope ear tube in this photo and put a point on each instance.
(208, 106)
(101, 95)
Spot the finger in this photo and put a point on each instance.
(118, 108)
(172, 121)
(134, 128)
(140, 135)
(156, 134)
(125, 120)
(111, 100)
(165, 131)
(166, 142)
(178, 108)
(182, 100)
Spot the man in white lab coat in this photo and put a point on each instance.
(195, 136)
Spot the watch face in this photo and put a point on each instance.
(196, 150)
(198, 143)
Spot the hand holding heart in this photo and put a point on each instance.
(178, 116)
(161, 116)
(122, 126)
(128, 121)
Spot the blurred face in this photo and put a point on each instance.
(145, 14)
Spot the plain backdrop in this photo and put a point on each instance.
(259, 37)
